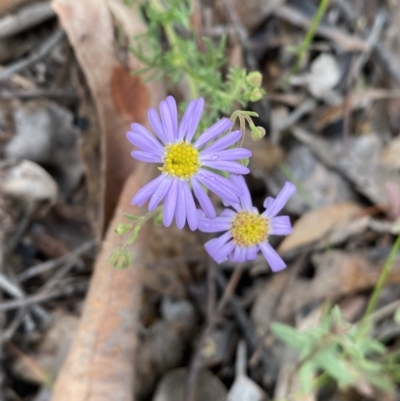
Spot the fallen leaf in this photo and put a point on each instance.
(337, 273)
(314, 225)
(357, 100)
(120, 98)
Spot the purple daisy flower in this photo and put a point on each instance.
(247, 231)
(186, 163)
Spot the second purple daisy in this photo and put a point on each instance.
(248, 231)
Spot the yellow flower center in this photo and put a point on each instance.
(181, 160)
(249, 229)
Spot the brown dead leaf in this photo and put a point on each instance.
(100, 364)
(357, 100)
(120, 98)
(337, 273)
(316, 224)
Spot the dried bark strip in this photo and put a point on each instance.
(120, 98)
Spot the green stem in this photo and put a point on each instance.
(363, 327)
(305, 44)
(173, 42)
(141, 222)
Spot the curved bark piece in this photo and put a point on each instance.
(100, 364)
(119, 97)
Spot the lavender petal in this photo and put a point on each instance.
(228, 166)
(274, 260)
(203, 198)
(223, 253)
(239, 254)
(280, 225)
(221, 144)
(228, 213)
(144, 140)
(214, 247)
(194, 119)
(160, 192)
(286, 192)
(170, 203)
(147, 191)
(156, 124)
(180, 211)
(245, 197)
(146, 156)
(174, 115)
(216, 225)
(252, 253)
(229, 154)
(217, 129)
(268, 202)
(219, 185)
(183, 126)
(191, 212)
(167, 123)
(237, 206)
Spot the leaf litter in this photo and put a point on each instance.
(67, 177)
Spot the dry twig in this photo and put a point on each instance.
(25, 18)
(70, 257)
(36, 56)
(38, 298)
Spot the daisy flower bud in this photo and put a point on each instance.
(120, 258)
(254, 78)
